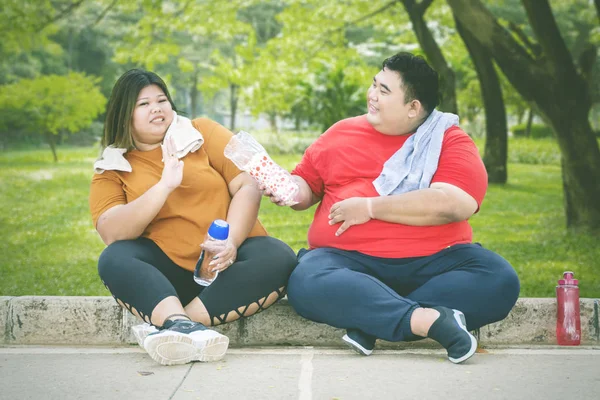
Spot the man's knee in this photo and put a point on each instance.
(510, 286)
(506, 289)
(306, 287)
(299, 281)
(505, 275)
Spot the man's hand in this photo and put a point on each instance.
(273, 197)
(352, 211)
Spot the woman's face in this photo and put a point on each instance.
(152, 116)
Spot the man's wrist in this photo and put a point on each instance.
(370, 207)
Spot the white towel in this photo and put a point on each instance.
(187, 139)
(413, 166)
(112, 159)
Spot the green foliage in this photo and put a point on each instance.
(25, 24)
(50, 104)
(522, 221)
(48, 245)
(536, 131)
(292, 143)
(529, 151)
(533, 151)
(337, 92)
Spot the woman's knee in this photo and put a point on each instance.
(282, 255)
(271, 252)
(110, 258)
(119, 257)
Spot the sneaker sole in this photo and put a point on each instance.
(460, 319)
(141, 332)
(174, 348)
(356, 346)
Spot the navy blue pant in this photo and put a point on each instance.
(348, 289)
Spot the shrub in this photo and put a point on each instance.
(86, 137)
(286, 142)
(537, 131)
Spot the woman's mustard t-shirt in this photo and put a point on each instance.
(203, 196)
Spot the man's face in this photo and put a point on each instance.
(387, 112)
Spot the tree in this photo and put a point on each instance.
(336, 93)
(416, 11)
(560, 92)
(496, 142)
(26, 24)
(51, 105)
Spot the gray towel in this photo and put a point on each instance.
(413, 166)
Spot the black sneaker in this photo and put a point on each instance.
(182, 341)
(450, 330)
(359, 341)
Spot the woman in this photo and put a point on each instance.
(161, 181)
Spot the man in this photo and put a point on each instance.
(397, 262)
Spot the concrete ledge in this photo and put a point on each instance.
(37, 320)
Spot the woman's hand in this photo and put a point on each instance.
(225, 256)
(173, 171)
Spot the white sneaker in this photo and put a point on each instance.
(185, 341)
(142, 331)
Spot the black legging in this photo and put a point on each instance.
(139, 274)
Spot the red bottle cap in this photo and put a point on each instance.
(568, 279)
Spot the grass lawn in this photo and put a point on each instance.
(48, 245)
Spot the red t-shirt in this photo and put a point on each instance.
(349, 156)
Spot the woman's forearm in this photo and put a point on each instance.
(243, 212)
(129, 221)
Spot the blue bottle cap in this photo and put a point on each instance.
(219, 229)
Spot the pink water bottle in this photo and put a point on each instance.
(568, 322)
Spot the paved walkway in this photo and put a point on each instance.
(63, 373)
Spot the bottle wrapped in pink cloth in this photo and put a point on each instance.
(250, 156)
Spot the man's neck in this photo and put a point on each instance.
(408, 130)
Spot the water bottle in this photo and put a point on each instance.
(568, 322)
(215, 240)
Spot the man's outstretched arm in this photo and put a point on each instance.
(305, 198)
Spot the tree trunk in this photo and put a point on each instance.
(434, 54)
(581, 177)
(558, 92)
(194, 96)
(273, 122)
(233, 102)
(520, 115)
(496, 142)
(529, 122)
(51, 141)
